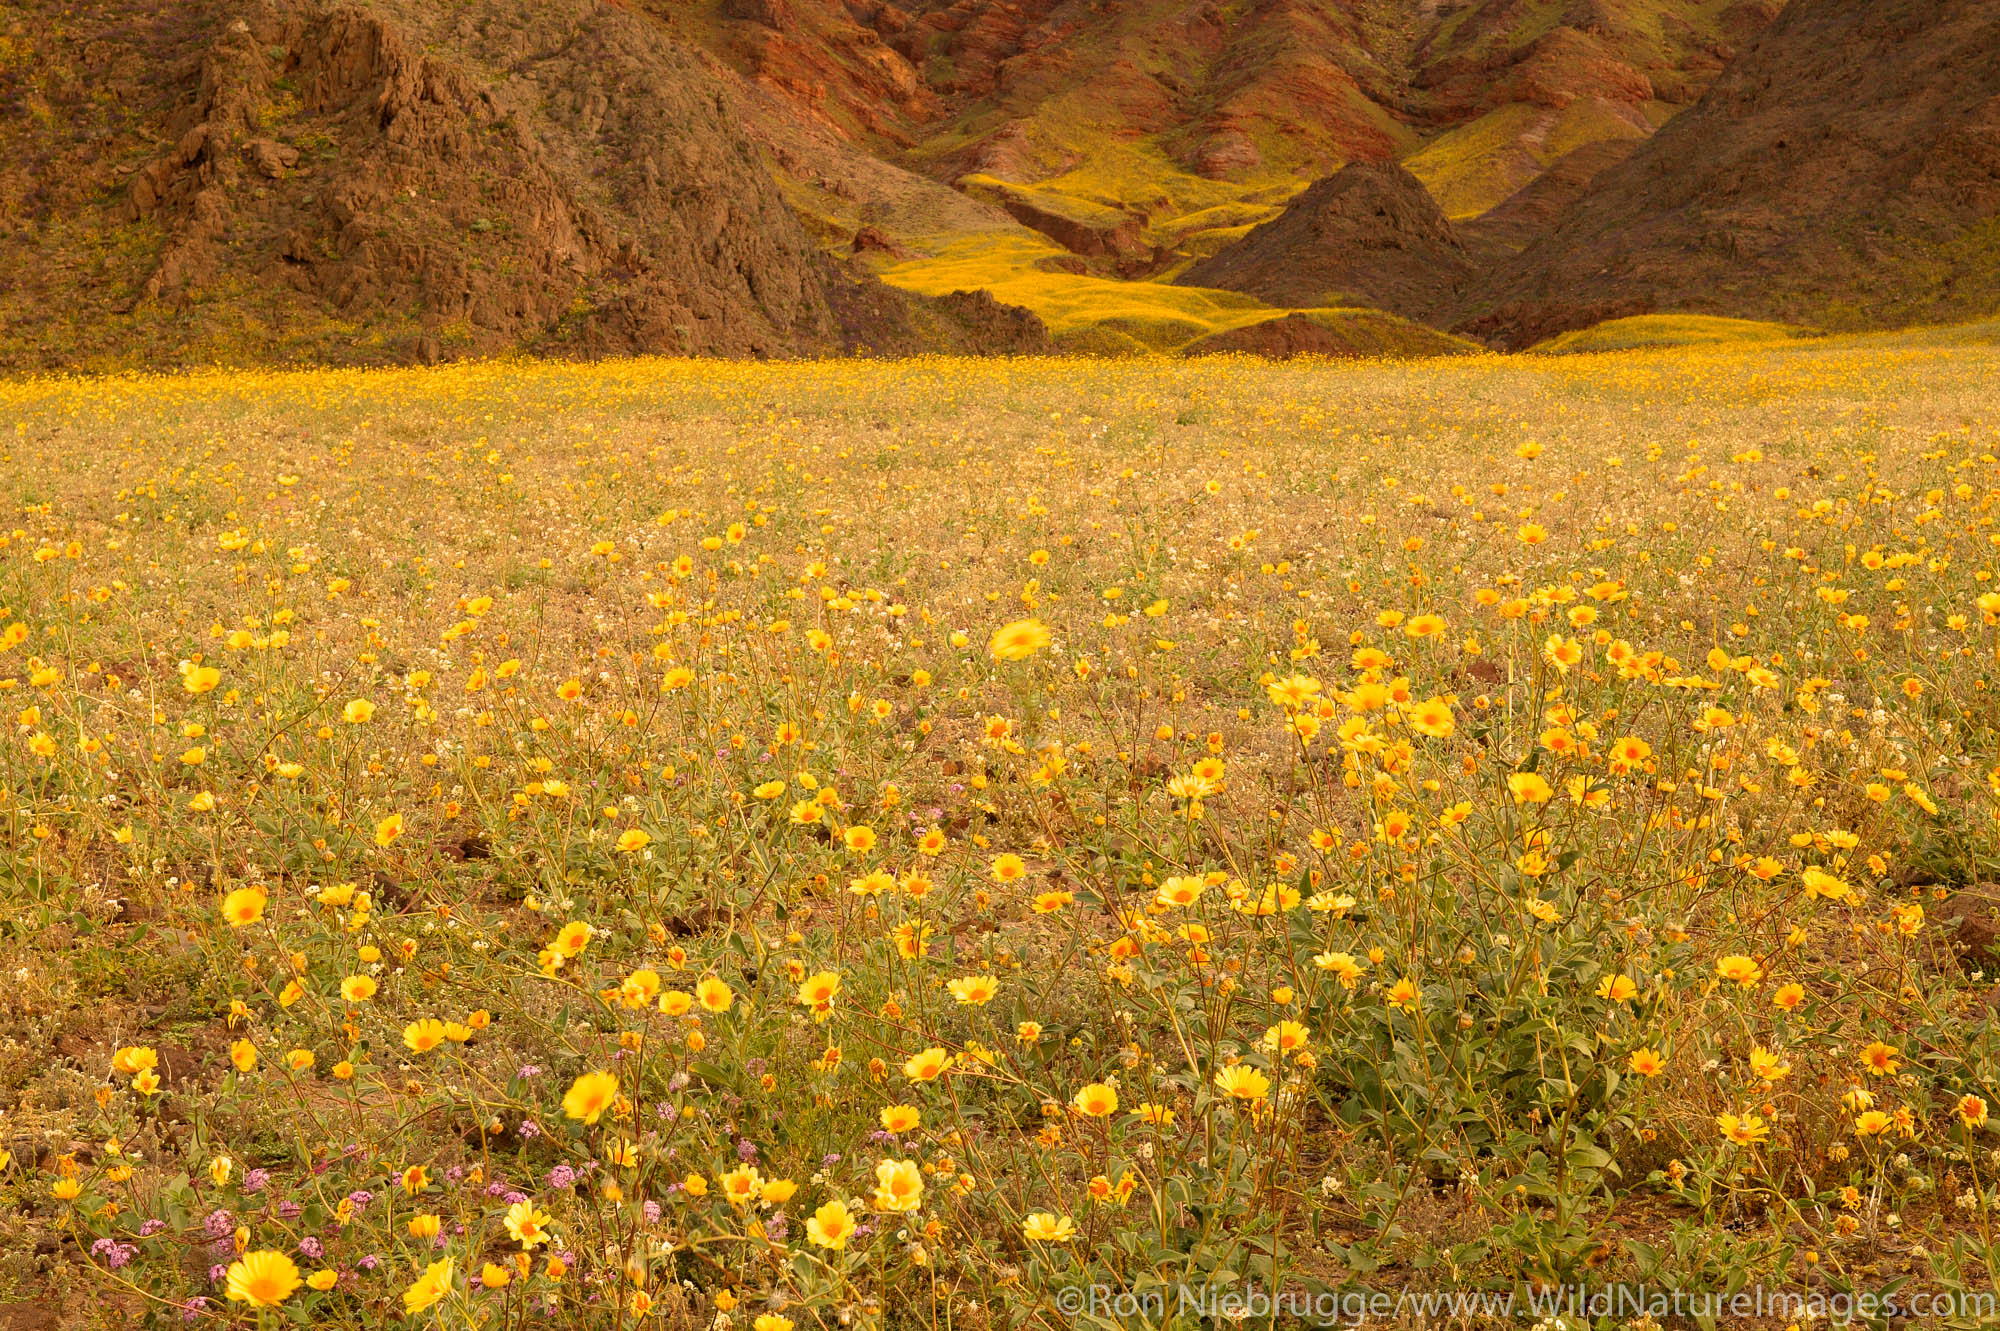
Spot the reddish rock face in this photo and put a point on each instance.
(1276, 339)
(1289, 84)
(1534, 211)
(599, 199)
(1369, 234)
(1834, 174)
(574, 175)
(1567, 64)
(1120, 241)
(436, 198)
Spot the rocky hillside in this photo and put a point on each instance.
(349, 182)
(1843, 172)
(392, 180)
(1370, 234)
(1139, 135)
(1017, 88)
(1080, 156)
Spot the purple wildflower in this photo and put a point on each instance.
(113, 1253)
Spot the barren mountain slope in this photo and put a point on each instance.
(361, 182)
(1844, 172)
(1143, 112)
(1367, 235)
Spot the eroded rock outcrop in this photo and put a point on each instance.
(1843, 172)
(347, 181)
(1369, 234)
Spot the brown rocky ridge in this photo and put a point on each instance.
(1370, 234)
(356, 183)
(1843, 172)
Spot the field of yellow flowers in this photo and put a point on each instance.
(669, 844)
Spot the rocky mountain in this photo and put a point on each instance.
(1531, 212)
(1370, 234)
(359, 181)
(348, 182)
(1040, 147)
(1017, 88)
(1844, 171)
(1139, 134)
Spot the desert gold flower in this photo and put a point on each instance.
(742, 1185)
(590, 1095)
(1529, 788)
(1744, 1129)
(1019, 640)
(1767, 1066)
(974, 990)
(1742, 970)
(420, 1037)
(1046, 1227)
(1243, 1082)
(244, 906)
(818, 992)
(131, 1060)
(430, 1287)
(927, 1065)
(831, 1225)
(713, 994)
(899, 1186)
(262, 1279)
(527, 1225)
(1881, 1060)
(1287, 1037)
